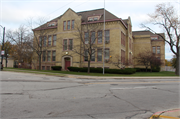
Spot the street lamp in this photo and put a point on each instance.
(2, 45)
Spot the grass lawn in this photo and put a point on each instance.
(63, 73)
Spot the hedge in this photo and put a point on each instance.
(100, 70)
(56, 67)
(154, 69)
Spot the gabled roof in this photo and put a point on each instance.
(85, 14)
(95, 12)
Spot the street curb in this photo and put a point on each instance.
(168, 114)
(109, 77)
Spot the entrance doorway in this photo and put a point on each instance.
(67, 63)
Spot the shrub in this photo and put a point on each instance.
(129, 71)
(156, 69)
(100, 70)
(96, 70)
(56, 67)
(15, 66)
(142, 70)
(75, 69)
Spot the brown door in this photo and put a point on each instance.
(67, 63)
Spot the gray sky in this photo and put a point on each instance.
(14, 13)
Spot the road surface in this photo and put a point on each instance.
(26, 96)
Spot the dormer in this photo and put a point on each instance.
(51, 24)
(94, 18)
(154, 37)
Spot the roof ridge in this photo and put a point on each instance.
(90, 10)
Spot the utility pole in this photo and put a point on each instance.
(104, 40)
(2, 46)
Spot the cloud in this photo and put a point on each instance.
(13, 14)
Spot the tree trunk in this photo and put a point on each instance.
(39, 62)
(177, 63)
(6, 61)
(151, 68)
(89, 66)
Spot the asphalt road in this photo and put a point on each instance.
(31, 96)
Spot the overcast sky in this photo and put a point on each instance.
(14, 13)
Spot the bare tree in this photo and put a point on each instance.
(166, 17)
(148, 59)
(155, 62)
(144, 58)
(7, 49)
(20, 48)
(87, 34)
(38, 42)
(119, 63)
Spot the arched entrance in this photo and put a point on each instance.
(67, 61)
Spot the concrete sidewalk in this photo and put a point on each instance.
(168, 114)
(96, 77)
(121, 77)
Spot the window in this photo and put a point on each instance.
(158, 49)
(93, 38)
(53, 55)
(54, 40)
(49, 41)
(49, 56)
(86, 55)
(123, 41)
(154, 49)
(44, 42)
(48, 67)
(40, 41)
(44, 56)
(95, 18)
(122, 56)
(106, 53)
(99, 55)
(51, 24)
(90, 19)
(65, 44)
(99, 36)
(86, 37)
(64, 25)
(43, 68)
(154, 38)
(93, 55)
(70, 44)
(72, 25)
(107, 35)
(68, 25)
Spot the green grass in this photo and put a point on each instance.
(63, 73)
